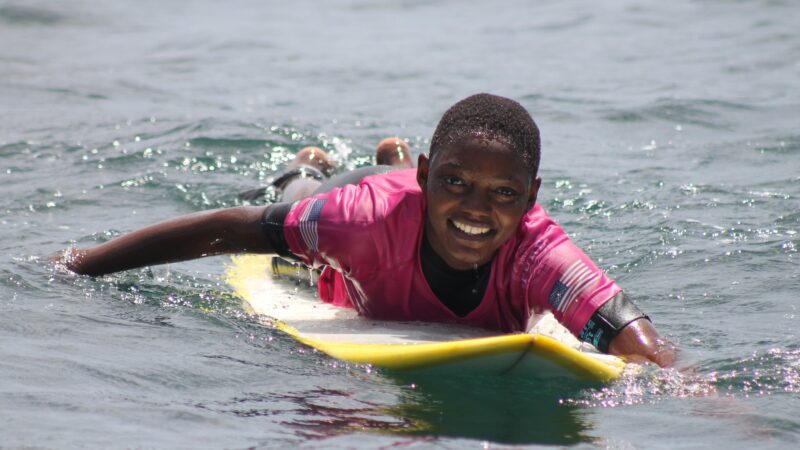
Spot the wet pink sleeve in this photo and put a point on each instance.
(334, 229)
(568, 283)
(301, 228)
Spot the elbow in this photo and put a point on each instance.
(639, 342)
(240, 231)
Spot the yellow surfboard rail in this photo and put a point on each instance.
(412, 356)
(419, 356)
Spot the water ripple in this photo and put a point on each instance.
(707, 113)
(26, 15)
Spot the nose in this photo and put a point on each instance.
(476, 203)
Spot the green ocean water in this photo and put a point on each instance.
(671, 154)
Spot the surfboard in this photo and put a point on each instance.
(546, 350)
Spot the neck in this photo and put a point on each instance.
(431, 257)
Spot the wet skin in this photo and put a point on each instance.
(476, 196)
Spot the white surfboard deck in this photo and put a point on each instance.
(547, 350)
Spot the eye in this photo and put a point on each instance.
(454, 181)
(506, 192)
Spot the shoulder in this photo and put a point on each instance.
(355, 228)
(376, 197)
(554, 273)
(538, 232)
(355, 213)
(396, 181)
(536, 246)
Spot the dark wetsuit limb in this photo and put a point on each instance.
(607, 322)
(272, 226)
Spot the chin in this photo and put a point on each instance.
(465, 262)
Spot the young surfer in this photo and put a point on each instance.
(458, 239)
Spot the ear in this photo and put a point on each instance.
(422, 171)
(534, 191)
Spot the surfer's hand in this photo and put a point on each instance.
(639, 342)
(69, 259)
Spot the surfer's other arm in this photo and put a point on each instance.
(620, 328)
(639, 342)
(221, 231)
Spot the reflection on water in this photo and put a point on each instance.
(514, 410)
(497, 409)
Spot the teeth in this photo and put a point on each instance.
(469, 229)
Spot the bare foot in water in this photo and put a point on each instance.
(314, 157)
(393, 151)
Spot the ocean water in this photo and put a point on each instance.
(671, 154)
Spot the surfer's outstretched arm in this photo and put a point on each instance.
(639, 342)
(221, 231)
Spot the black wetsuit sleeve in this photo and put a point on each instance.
(272, 226)
(607, 322)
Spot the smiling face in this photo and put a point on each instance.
(476, 195)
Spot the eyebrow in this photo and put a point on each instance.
(459, 166)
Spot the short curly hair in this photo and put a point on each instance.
(494, 117)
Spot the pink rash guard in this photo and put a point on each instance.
(370, 234)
